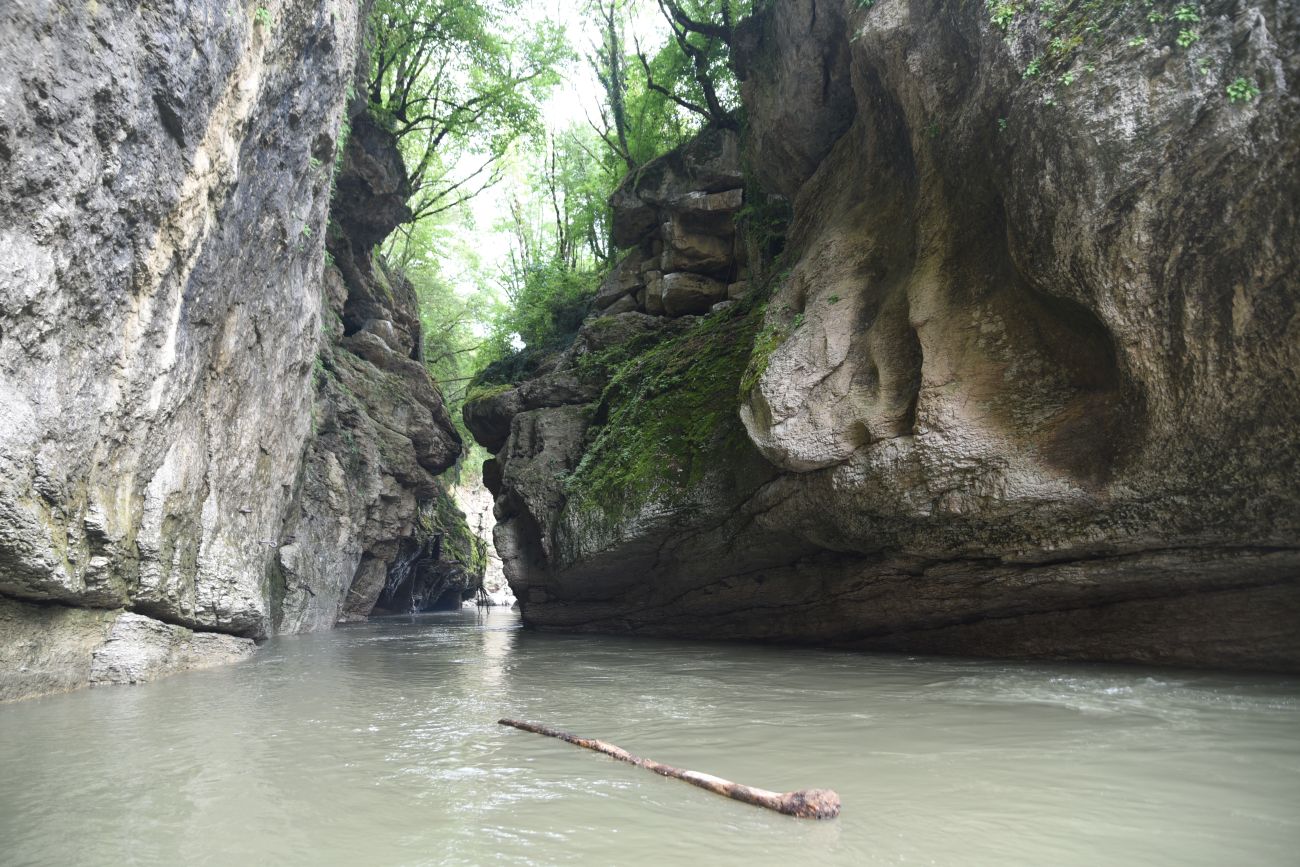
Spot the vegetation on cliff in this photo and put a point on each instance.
(667, 417)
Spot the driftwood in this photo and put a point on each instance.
(805, 803)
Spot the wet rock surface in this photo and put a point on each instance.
(139, 649)
(54, 648)
(1022, 383)
(358, 527)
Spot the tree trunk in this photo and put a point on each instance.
(805, 803)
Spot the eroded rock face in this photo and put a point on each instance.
(1026, 379)
(140, 649)
(160, 232)
(381, 432)
(203, 422)
(54, 648)
(678, 213)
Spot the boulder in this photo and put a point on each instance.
(623, 279)
(712, 213)
(1027, 381)
(708, 163)
(684, 293)
(140, 649)
(689, 249)
(624, 304)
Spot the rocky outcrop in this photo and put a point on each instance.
(440, 567)
(55, 648)
(678, 213)
(381, 433)
(1021, 383)
(139, 649)
(186, 381)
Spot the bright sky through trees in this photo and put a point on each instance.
(575, 102)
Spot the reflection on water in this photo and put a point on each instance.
(377, 744)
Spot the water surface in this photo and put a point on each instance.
(377, 744)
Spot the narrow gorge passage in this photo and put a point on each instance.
(892, 396)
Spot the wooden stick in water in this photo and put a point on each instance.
(805, 803)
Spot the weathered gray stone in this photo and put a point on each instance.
(709, 163)
(47, 648)
(623, 279)
(794, 68)
(626, 304)
(203, 422)
(684, 293)
(490, 416)
(54, 648)
(688, 249)
(160, 298)
(654, 296)
(140, 649)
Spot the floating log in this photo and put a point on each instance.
(805, 803)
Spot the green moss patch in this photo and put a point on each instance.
(667, 417)
(441, 517)
(483, 392)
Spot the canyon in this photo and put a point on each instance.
(999, 363)
(963, 342)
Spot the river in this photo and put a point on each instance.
(377, 744)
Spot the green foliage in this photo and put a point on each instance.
(548, 302)
(458, 81)
(450, 318)
(263, 17)
(657, 98)
(1242, 90)
(694, 68)
(1067, 31)
(765, 343)
(1003, 13)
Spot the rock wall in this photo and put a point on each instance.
(363, 513)
(185, 382)
(1022, 382)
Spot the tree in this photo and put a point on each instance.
(458, 81)
(702, 33)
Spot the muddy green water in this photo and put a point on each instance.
(377, 744)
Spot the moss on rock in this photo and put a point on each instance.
(442, 517)
(666, 419)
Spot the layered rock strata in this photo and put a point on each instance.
(1022, 383)
(678, 215)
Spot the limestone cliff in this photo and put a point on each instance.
(184, 372)
(1021, 382)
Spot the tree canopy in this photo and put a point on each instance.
(464, 85)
